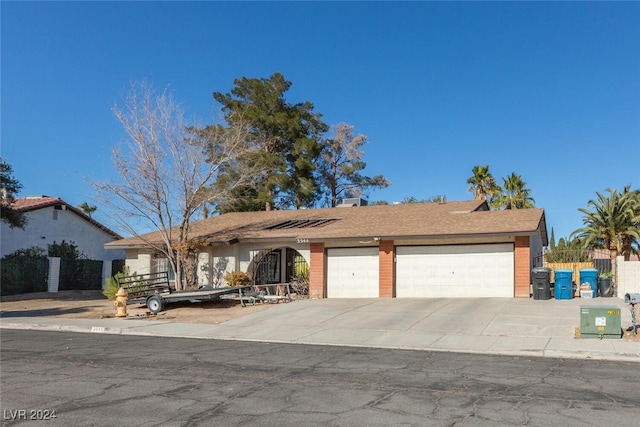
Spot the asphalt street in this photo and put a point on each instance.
(106, 380)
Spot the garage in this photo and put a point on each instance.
(465, 271)
(352, 273)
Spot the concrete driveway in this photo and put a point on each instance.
(487, 325)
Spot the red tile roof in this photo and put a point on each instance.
(35, 202)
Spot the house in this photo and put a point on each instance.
(50, 219)
(452, 249)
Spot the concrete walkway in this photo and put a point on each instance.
(504, 326)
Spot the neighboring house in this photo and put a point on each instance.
(452, 249)
(50, 219)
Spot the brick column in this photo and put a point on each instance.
(386, 254)
(316, 271)
(522, 267)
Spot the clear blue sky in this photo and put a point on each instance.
(548, 90)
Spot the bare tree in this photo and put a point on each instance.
(167, 173)
(342, 165)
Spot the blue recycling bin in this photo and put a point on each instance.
(590, 276)
(563, 284)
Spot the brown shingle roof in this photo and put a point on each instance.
(384, 221)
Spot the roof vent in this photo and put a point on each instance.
(354, 201)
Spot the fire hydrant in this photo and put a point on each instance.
(121, 303)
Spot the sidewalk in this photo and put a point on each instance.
(504, 326)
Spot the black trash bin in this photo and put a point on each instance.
(541, 283)
(605, 287)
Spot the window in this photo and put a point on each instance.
(268, 269)
(163, 264)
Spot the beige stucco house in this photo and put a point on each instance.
(424, 250)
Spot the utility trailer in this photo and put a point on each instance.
(155, 291)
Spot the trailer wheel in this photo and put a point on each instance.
(155, 304)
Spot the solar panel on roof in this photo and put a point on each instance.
(301, 223)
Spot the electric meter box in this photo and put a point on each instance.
(600, 321)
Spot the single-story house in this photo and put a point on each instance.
(51, 219)
(452, 249)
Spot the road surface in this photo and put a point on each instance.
(65, 379)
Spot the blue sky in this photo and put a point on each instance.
(548, 90)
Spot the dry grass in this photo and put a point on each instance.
(93, 305)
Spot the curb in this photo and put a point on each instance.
(133, 331)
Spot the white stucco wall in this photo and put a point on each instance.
(220, 260)
(224, 259)
(248, 251)
(214, 263)
(204, 268)
(138, 261)
(627, 276)
(48, 225)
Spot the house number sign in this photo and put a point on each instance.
(302, 240)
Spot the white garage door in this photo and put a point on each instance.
(352, 273)
(466, 271)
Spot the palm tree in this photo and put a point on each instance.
(513, 194)
(482, 183)
(631, 241)
(88, 210)
(614, 222)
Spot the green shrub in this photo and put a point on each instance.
(111, 284)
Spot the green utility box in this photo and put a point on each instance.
(600, 321)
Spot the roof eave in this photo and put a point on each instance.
(542, 226)
(374, 237)
(125, 246)
(509, 234)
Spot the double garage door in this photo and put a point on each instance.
(468, 271)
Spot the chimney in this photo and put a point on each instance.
(353, 201)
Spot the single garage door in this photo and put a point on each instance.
(352, 273)
(466, 271)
